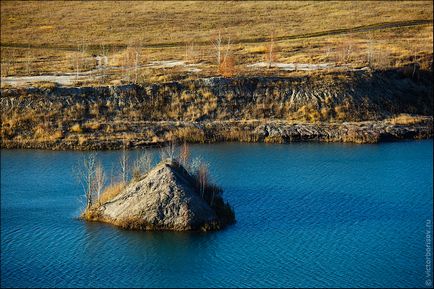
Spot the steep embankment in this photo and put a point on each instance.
(219, 109)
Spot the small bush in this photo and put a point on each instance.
(58, 134)
(76, 128)
(227, 66)
(93, 126)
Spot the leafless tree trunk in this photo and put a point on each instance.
(123, 162)
(102, 65)
(100, 179)
(80, 56)
(86, 176)
(9, 63)
(189, 52)
(143, 164)
(169, 151)
(348, 53)
(127, 63)
(184, 155)
(111, 176)
(136, 63)
(370, 53)
(77, 62)
(416, 63)
(217, 46)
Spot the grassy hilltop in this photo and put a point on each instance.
(57, 37)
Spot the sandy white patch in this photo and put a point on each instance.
(63, 79)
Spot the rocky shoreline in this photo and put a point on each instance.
(234, 131)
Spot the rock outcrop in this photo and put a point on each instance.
(166, 198)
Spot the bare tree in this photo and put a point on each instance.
(80, 56)
(189, 52)
(370, 52)
(136, 62)
(77, 62)
(142, 164)
(111, 176)
(186, 53)
(123, 163)
(8, 63)
(85, 174)
(168, 151)
(192, 54)
(100, 179)
(102, 62)
(217, 46)
(194, 165)
(184, 155)
(131, 60)
(415, 59)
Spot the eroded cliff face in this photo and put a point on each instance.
(61, 115)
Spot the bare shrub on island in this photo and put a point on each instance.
(184, 155)
(85, 173)
(100, 179)
(142, 164)
(169, 151)
(124, 166)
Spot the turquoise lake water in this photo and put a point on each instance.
(308, 215)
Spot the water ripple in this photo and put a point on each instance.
(308, 215)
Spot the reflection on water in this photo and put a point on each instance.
(308, 215)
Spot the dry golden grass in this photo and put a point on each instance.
(405, 119)
(102, 23)
(261, 49)
(91, 214)
(93, 126)
(111, 192)
(76, 128)
(51, 36)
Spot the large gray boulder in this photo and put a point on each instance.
(166, 198)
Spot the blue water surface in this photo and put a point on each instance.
(308, 215)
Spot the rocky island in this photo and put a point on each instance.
(167, 197)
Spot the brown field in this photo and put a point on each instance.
(57, 37)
